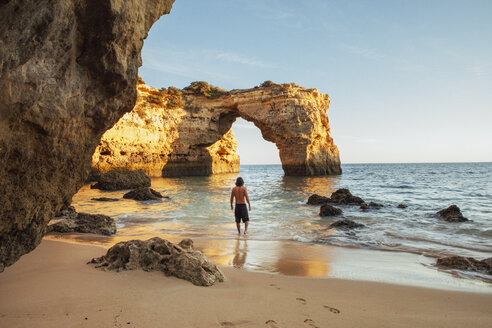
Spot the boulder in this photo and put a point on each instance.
(328, 210)
(315, 199)
(375, 205)
(346, 224)
(156, 254)
(143, 194)
(465, 264)
(343, 196)
(66, 212)
(106, 199)
(85, 223)
(122, 179)
(452, 214)
(402, 206)
(364, 206)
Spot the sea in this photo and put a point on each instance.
(198, 208)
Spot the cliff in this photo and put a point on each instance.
(176, 133)
(160, 125)
(68, 73)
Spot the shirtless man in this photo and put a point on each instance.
(240, 193)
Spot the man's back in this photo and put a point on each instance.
(239, 193)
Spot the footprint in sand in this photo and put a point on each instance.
(271, 324)
(301, 300)
(310, 323)
(273, 285)
(333, 310)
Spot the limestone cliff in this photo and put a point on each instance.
(193, 136)
(68, 71)
(161, 125)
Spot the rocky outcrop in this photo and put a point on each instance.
(187, 132)
(143, 194)
(316, 199)
(156, 254)
(68, 71)
(85, 223)
(122, 179)
(328, 210)
(465, 264)
(452, 214)
(346, 225)
(344, 196)
(159, 125)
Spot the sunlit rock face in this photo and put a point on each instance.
(193, 136)
(154, 132)
(68, 71)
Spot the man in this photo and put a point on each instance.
(241, 213)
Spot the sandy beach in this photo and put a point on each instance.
(54, 287)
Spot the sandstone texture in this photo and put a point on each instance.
(452, 214)
(174, 132)
(465, 264)
(85, 223)
(143, 194)
(68, 71)
(159, 125)
(122, 179)
(156, 254)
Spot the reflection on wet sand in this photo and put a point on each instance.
(289, 258)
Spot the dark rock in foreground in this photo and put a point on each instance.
(315, 199)
(143, 194)
(402, 206)
(66, 212)
(156, 254)
(328, 210)
(376, 205)
(343, 196)
(85, 223)
(452, 214)
(122, 179)
(346, 224)
(106, 199)
(465, 264)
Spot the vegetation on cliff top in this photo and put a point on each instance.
(204, 89)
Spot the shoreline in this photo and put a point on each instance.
(53, 286)
(295, 258)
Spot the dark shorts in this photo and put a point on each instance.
(241, 212)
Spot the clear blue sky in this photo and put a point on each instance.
(409, 80)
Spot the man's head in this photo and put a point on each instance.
(239, 182)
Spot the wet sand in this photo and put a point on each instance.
(54, 287)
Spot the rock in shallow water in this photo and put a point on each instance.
(122, 179)
(452, 214)
(85, 223)
(344, 196)
(156, 254)
(143, 194)
(346, 224)
(465, 264)
(316, 199)
(328, 210)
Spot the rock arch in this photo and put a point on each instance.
(195, 137)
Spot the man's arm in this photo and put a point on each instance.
(247, 197)
(232, 198)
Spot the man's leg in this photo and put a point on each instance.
(246, 227)
(238, 226)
